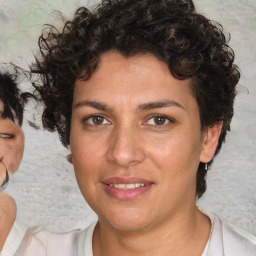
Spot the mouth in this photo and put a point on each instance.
(126, 188)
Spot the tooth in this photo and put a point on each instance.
(120, 186)
(127, 186)
(130, 185)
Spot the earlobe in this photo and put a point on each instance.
(210, 141)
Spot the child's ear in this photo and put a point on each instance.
(210, 142)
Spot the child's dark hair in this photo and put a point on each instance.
(11, 96)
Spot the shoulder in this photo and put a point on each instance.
(14, 239)
(35, 241)
(38, 241)
(233, 241)
(238, 240)
(85, 241)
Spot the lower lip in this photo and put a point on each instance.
(128, 194)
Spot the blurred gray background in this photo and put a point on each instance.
(45, 188)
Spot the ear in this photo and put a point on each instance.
(210, 141)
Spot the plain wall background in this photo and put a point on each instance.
(45, 188)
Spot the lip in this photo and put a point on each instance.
(130, 194)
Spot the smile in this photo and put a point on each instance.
(127, 186)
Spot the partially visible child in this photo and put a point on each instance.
(11, 147)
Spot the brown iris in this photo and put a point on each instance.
(97, 120)
(159, 120)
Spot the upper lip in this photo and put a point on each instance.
(126, 180)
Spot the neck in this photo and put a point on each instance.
(180, 235)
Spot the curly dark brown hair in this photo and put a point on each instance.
(12, 97)
(190, 44)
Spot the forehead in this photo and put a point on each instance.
(132, 80)
(7, 119)
(1, 106)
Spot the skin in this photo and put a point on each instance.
(149, 128)
(7, 216)
(11, 149)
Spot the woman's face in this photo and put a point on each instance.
(11, 146)
(136, 142)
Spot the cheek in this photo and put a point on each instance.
(87, 161)
(13, 153)
(87, 155)
(178, 152)
(18, 150)
(86, 148)
(20, 147)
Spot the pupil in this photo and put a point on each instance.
(97, 120)
(159, 120)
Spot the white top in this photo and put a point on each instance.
(223, 241)
(14, 239)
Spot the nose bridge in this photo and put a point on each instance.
(125, 147)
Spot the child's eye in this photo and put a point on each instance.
(96, 120)
(6, 135)
(158, 120)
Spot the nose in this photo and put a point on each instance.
(125, 148)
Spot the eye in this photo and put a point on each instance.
(159, 120)
(6, 135)
(96, 120)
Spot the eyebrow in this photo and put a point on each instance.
(94, 104)
(141, 107)
(158, 104)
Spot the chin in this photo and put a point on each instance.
(128, 222)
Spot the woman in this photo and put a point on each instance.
(11, 146)
(142, 92)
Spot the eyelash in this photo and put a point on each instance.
(166, 118)
(85, 120)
